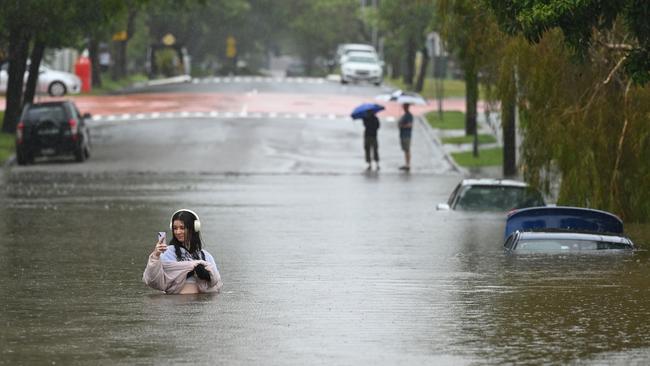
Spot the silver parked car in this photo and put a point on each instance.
(492, 195)
(53, 82)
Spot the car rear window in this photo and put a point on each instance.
(38, 113)
(561, 245)
(501, 198)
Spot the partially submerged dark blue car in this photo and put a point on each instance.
(563, 230)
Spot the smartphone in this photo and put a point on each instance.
(161, 236)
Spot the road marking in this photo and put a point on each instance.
(244, 113)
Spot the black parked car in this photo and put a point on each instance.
(52, 129)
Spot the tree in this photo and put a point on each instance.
(584, 119)
(577, 19)
(406, 25)
(43, 23)
(470, 32)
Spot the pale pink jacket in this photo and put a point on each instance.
(171, 277)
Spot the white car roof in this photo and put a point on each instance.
(540, 235)
(493, 182)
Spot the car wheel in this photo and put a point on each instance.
(23, 157)
(57, 89)
(343, 81)
(80, 154)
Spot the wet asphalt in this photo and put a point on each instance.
(323, 262)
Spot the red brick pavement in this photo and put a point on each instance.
(231, 102)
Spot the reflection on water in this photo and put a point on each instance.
(317, 270)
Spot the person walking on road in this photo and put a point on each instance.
(371, 124)
(405, 125)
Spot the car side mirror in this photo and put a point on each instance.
(382, 63)
(87, 116)
(443, 207)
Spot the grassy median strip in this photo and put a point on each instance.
(451, 120)
(482, 139)
(7, 143)
(487, 157)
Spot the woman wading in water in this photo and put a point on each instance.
(183, 266)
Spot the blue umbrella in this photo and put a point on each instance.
(363, 109)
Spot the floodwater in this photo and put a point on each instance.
(345, 269)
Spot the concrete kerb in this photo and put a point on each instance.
(432, 135)
(166, 81)
(11, 160)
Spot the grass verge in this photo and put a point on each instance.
(451, 88)
(7, 143)
(109, 85)
(487, 157)
(482, 139)
(451, 120)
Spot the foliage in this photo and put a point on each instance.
(574, 118)
(579, 20)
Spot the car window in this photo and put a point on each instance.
(361, 59)
(35, 114)
(499, 198)
(543, 245)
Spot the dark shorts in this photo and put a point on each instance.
(406, 143)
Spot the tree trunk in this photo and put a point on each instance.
(410, 62)
(34, 66)
(471, 100)
(419, 85)
(93, 54)
(18, 48)
(396, 68)
(508, 115)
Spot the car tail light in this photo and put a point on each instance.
(20, 132)
(74, 129)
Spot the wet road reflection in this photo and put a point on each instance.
(318, 269)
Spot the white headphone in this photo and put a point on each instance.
(197, 222)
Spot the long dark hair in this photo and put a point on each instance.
(192, 238)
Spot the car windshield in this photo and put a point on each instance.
(45, 113)
(362, 59)
(569, 245)
(498, 198)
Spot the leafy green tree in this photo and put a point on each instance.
(317, 27)
(578, 19)
(39, 24)
(471, 34)
(583, 121)
(405, 25)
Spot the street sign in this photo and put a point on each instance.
(169, 39)
(231, 47)
(120, 36)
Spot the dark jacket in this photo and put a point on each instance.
(371, 123)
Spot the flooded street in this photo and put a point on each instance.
(322, 262)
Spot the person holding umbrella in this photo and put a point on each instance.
(367, 112)
(405, 122)
(405, 125)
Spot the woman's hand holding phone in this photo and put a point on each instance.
(161, 246)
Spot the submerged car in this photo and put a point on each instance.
(52, 129)
(53, 82)
(564, 230)
(492, 195)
